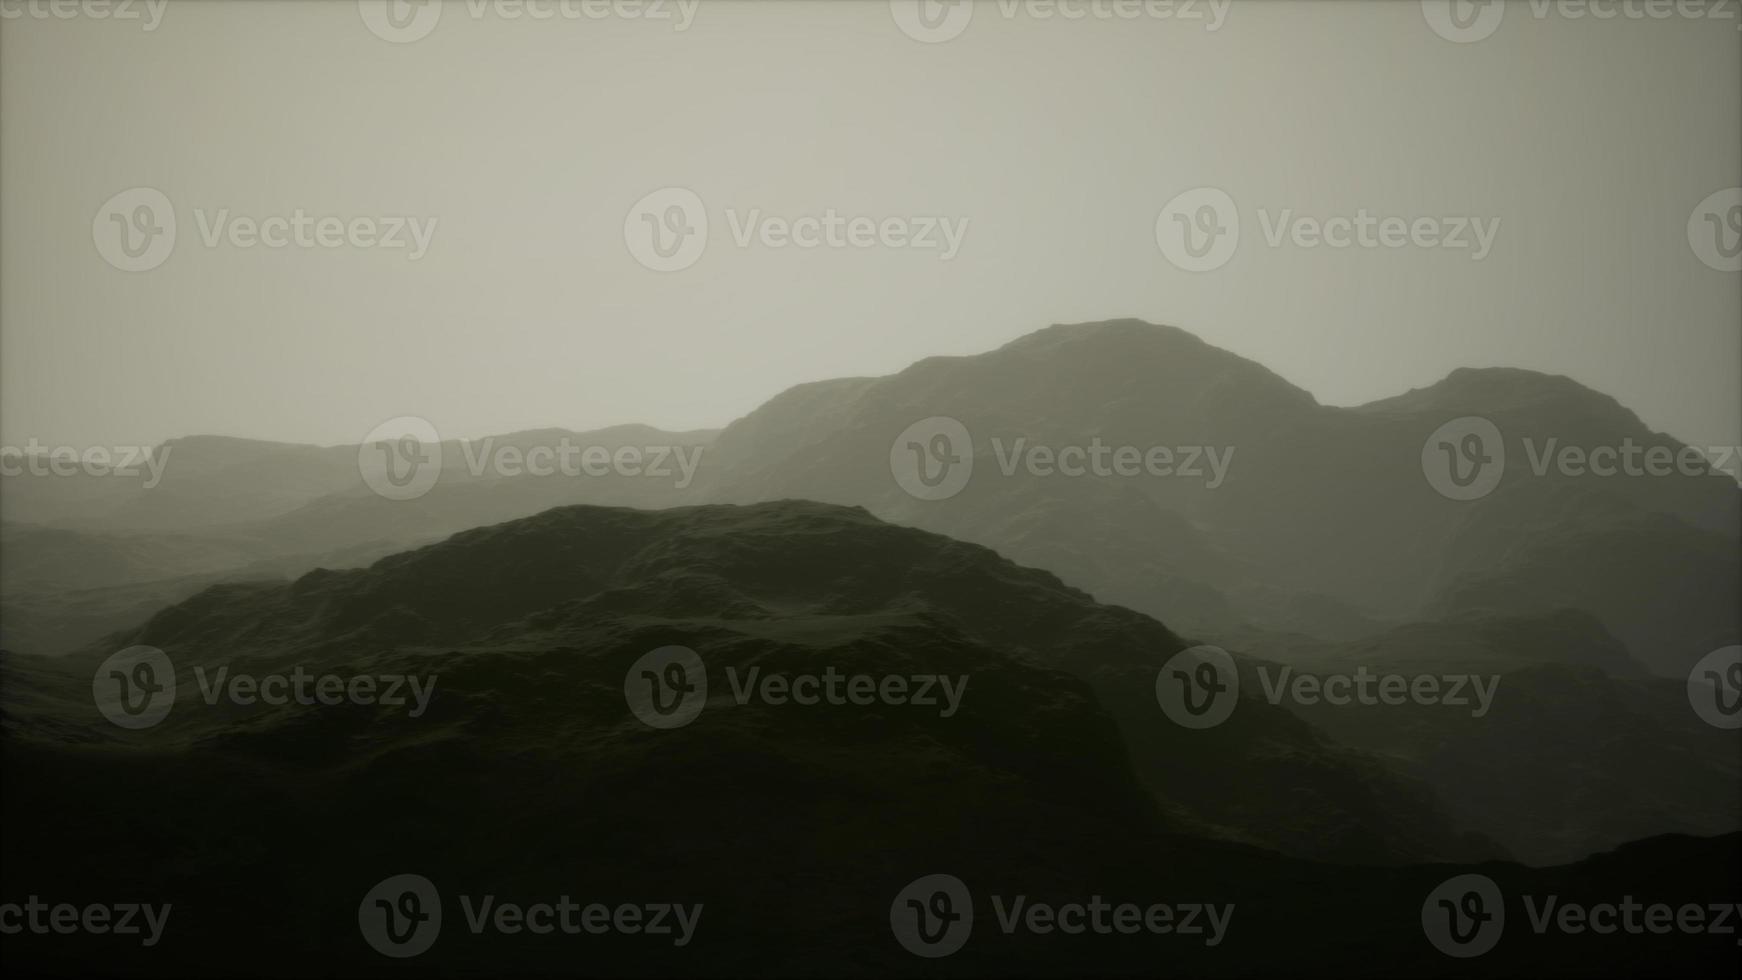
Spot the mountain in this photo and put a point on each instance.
(90, 555)
(1292, 517)
(1321, 521)
(198, 481)
(1320, 544)
(527, 775)
(62, 589)
(229, 485)
(1327, 544)
(1579, 750)
(740, 576)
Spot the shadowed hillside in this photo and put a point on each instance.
(526, 774)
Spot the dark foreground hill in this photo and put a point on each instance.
(529, 774)
(1578, 750)
(575, 590)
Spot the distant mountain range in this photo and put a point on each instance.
(1323, 522)
(1302, 536)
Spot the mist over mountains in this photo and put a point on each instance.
(1321, 521)
(893, 489)
(1032, 537)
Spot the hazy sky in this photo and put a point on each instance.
(1058, 141)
